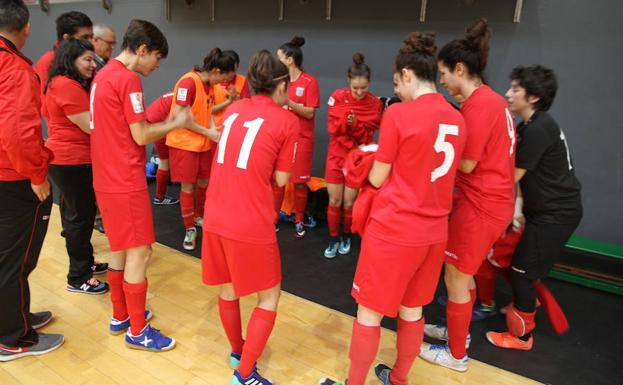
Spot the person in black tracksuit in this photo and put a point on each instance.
(552, 204)
(25, 200)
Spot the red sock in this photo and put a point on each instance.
(230, 318)
(278, 193)
(333, 219)
(363, 347)
(348, 220)
(162, 180)
(187, 206)
(459, 316)
(410, 336)
(200, 200)
(115, 281)
(485, 283)
(300, 202)
(135, 297)
(260, 326)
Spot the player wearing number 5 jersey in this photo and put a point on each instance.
(420, 146)
(240, 252)
(484, 199)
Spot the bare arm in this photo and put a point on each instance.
(144, 133)
(211, 132)
(306, 112)
(467, 166)
(379, 173)
(519, 173)
(281, 178)
(82, 120)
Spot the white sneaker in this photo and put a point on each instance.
(439, 332)
(190, 239)
(439, 354)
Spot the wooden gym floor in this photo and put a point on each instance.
(309, 341)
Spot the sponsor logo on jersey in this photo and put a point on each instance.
(300, 91)
(182, 94)
(331, 101)
(137, 102)
(452, 255)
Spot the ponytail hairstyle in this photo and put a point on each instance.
(217, 59)
(266, 72)
(359, 68)
(472, 51)
(293, 49)
(64, 62)
(418, 55)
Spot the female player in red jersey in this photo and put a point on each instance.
(190, 153)
(118, 138)
(402, 252)
(67, 100)
(240, 251)
(304, 98)
(354, 115)
(484, 202)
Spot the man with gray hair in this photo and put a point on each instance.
(104, 40)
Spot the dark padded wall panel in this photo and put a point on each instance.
(577, 38)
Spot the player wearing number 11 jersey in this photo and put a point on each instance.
(240, 251)
(402, 251)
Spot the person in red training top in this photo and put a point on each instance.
(354, 115)
(402, 252)
(119, 135)
(304, 100)
(240, 251)
(551, 195)
(158, 112)
(190, 152)
(67, 101)
(25, 200)
(69, 25)
(229, 91)
(484, 200)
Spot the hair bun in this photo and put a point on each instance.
(216, 52)
(419, 42)
(478, 32)
(297, 41)
(358, 58)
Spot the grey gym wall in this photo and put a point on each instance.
(576, 38)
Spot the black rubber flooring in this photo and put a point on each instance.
(590, 353)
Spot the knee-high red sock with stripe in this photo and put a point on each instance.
(409, 340)
(459, 316)
(333, 220)
(278, 193)
(117, 297)
(229, 312)
(200, 201)
(162, 180)
(364, 344)
(135, 298)
(187, 206)
(348, 220)
(300, 202)
(258, 331)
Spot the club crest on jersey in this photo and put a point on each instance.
(137, 102)
(299, 91)
(331, 101)
(182, 94)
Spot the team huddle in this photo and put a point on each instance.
(440, 187)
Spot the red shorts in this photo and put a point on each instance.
(390, 275)
(249, 267)
(334, 169)
(470, 237)
(162, 149)
(189, 166)
(301, 170)
(127, 219)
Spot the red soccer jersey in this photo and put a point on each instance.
(491, 142)
(186, 92)
(70, 145)
(42, 68)
(159, 110)
(304, 91)
(116, 103)
(258, 137)
(423, 141)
